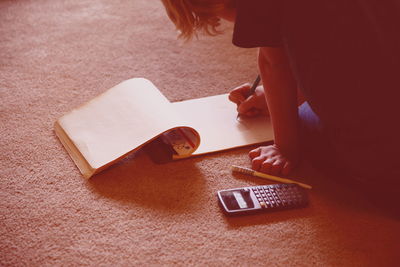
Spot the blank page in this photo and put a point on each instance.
(214, 118)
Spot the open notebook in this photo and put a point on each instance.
(130, 115)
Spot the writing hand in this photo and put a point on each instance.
(252, 106)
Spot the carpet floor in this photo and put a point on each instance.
(56, 55)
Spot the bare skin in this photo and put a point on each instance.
(252, 106)
(278, 98)
(281, 97)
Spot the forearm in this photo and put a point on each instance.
(281, 95)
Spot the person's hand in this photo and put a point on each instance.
(270, 160)
(252, 106)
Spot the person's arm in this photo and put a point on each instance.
(281, 96)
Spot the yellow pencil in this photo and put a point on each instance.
(267, 176)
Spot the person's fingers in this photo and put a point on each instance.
(236, 97)
(256, 163)
(266, 165)
(238, 94)
(247, 105)
(255, 152)
(268, 159)
(276, 168)
(243, 89)
(253, 112)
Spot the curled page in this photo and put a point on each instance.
(135, 113)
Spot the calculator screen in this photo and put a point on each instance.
(239, 199)
(236, 199)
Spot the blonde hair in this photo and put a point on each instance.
(193, 16)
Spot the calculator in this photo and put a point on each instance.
(262, 198)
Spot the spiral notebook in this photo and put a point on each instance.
(134, 113)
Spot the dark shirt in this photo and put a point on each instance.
(345, 55)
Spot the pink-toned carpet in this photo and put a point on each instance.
(58, 54)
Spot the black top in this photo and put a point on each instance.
(257, 24)
(345, 56)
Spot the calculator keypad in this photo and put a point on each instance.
(279, 195)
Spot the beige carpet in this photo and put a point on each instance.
(58, 54)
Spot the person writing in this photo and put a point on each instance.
(342, 56)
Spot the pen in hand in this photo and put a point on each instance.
(252, 90)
